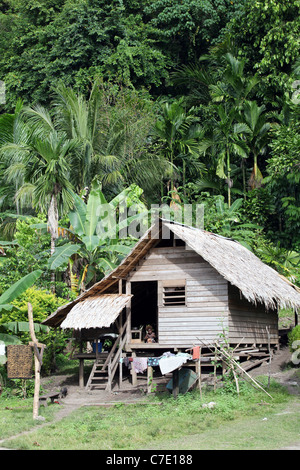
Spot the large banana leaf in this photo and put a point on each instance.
(93, 213)
(6, 340)
(91, 242)
(62, 255)
(106, 265)
(78, 215)
(123, 249)
(9, 339)
(17, 326)
(19, 287)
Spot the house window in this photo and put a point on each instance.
(174, 295)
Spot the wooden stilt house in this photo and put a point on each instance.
(191, 286)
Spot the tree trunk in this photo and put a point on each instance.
(52, 278)
(244, 178)
(38, 355)
(228, 179)
(53, 229)
(255, 166)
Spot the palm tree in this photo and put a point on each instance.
(225, 142)
(178, 134)
(234, 86)
(79, 118)
(218, 76)
(256, 128)
(13, 131)
(112, 130)
(46, 158)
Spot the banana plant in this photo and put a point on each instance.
(17, 289)
(95, 235)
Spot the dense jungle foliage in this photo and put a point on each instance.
(192, 101)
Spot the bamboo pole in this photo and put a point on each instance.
(241, 369)
(270, 359)
(200, 375)
(215, 370)
(230, 361)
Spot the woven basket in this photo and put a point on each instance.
(19, 361)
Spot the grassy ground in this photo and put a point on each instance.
(250, 421)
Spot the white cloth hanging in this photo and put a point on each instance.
(169, 363)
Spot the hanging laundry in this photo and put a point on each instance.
(139, 364)
(196, 353)
(169, 363)
(153, 361)
(127, 362)
(187, 356)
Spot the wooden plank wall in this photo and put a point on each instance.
(206, 311)
(249, 321)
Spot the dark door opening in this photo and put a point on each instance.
(144, 306)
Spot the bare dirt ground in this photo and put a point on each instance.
(279, 370)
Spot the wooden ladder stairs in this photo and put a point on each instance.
(98, 378)
(105, 366)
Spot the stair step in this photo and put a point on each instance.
(100, 378)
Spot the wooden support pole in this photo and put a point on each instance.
(81, 372)
(120, 371)
(38, 360)
(128, 313)
(215, 370)
(175, 383)
(149, 379)
(133, 372)
(200, 374)
(109, 382)
(269, 348)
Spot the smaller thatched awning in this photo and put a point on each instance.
(95, 312)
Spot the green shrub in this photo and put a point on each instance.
(294, 335)
(294, 345)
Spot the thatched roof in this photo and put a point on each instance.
(257, 282)
(96, 312)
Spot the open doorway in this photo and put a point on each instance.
(144, 306)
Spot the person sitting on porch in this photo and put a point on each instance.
(150, 335)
